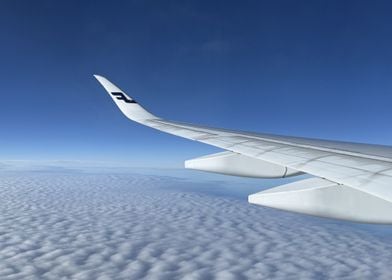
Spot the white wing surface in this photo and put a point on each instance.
(358, 176)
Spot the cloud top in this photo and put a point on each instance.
(83, 226)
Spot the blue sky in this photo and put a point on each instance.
(319, 69)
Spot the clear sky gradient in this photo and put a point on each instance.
(319, 69)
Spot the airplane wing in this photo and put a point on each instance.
(351, 181)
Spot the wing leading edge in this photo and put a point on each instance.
(364, 171)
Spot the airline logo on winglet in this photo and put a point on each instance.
(121, 96)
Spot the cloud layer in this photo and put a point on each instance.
(80, 226)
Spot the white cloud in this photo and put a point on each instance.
(80, 226)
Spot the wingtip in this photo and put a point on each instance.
(109, 86)
(127, 105)
(98, 77)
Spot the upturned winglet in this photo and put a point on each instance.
(130, 108)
